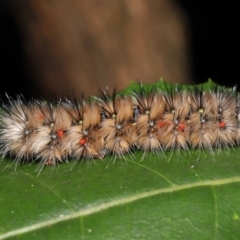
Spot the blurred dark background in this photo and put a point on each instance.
(211, 44)
(215, 40)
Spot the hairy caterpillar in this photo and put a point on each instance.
(113, 123)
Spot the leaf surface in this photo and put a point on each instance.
(128, 199)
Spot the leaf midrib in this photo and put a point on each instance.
(117, 202)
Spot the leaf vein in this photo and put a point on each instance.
(117, 202)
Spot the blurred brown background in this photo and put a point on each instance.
(51, 48)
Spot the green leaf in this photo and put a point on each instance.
(175, 195)
(184, 198)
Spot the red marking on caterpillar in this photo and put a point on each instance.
(40, 116)
(181, 127)
(83, 141)
(161, 124)
(222, 124)
(60, 133)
